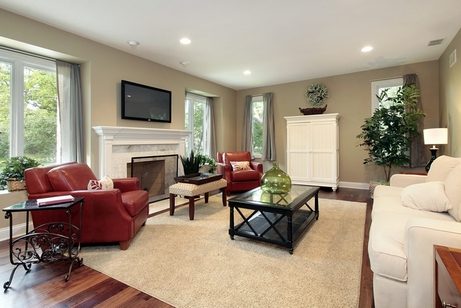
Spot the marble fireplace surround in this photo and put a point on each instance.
(117, 145)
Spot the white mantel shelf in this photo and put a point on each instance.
(118, 144)
(118, 132)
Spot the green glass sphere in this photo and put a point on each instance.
(275, 181)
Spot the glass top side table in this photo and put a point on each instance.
(48, 242)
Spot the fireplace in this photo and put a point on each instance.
(117, 145)
(155, 174)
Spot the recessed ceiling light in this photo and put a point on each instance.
(184, 63)
(367, 48)
(185, 41)
(133, 43)
(247, 72)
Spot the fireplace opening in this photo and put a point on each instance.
(155, 173)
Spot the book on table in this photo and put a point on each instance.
(55, 200)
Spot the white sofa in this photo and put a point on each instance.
(401, 238)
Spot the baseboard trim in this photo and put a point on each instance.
(355, 185)
(18, 229)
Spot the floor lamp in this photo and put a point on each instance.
(434, 136)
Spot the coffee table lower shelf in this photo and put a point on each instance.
(275, 228)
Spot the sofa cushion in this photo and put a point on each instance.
(245, 175)
(135, 201)
(70, 177)
(441, 167)
(453, 192)
(236, 156)
(429, 196)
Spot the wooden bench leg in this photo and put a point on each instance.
(224, 196)
(172, 205)
(191, 207)
(207, 194)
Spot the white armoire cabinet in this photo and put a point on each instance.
(313, 149)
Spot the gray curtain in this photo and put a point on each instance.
(70, 112)
(269, 128)
(246, 138)
(418, 152)
(210, 128)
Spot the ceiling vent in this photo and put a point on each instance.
(435, 42)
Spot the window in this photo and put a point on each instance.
(197, 120)
(257, 126)
(28, 107)
(377, 87)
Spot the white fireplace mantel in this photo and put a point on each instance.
(117, 145)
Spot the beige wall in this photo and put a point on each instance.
(350, 96)
(450, 97)
(103, 68)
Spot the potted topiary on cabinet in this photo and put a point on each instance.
(388, 133)
(12, 174)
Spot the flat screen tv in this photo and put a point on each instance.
(144, 103)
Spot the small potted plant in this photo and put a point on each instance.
(191, 164)
(207, 164)
(12, 174)
(316, 94)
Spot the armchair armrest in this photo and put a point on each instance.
(420, 237)
(127, 184)
(257, 166)
(225, 170)
(403, 180)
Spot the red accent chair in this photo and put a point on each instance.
(109, 216)
(241, 180)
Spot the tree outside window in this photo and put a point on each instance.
(195, 121)
(257, 126)
(28, 107)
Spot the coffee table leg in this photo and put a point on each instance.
(207, 194)
(290, 233)
(191, 207)
(172, 201)
(231, 222)
(224, 196)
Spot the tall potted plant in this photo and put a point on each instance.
(387, 135)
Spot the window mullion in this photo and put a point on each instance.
(17, 110)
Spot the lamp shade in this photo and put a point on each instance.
(435, 136)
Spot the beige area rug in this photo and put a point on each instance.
(195, 263)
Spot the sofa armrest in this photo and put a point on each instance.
(421, 236)
(403, 180)
(127, 184)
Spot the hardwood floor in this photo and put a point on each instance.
(44, 285)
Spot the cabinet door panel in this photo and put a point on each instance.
(298, 168)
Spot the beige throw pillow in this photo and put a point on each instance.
(453, 191)
(429, 196)
(105, 183)
(240, 165)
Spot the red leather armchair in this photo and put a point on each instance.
(239, 180)
(113, 215)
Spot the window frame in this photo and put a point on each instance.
(18, 62)
(256, 99)
(192, 97)
(380, 84)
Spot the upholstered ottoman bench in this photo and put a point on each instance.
(193, 191)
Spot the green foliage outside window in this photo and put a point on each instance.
(257, 125)
(40, 113)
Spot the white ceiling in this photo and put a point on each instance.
(279, 41)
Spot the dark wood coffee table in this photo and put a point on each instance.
(274, 218)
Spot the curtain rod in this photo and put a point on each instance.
(28, 53)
